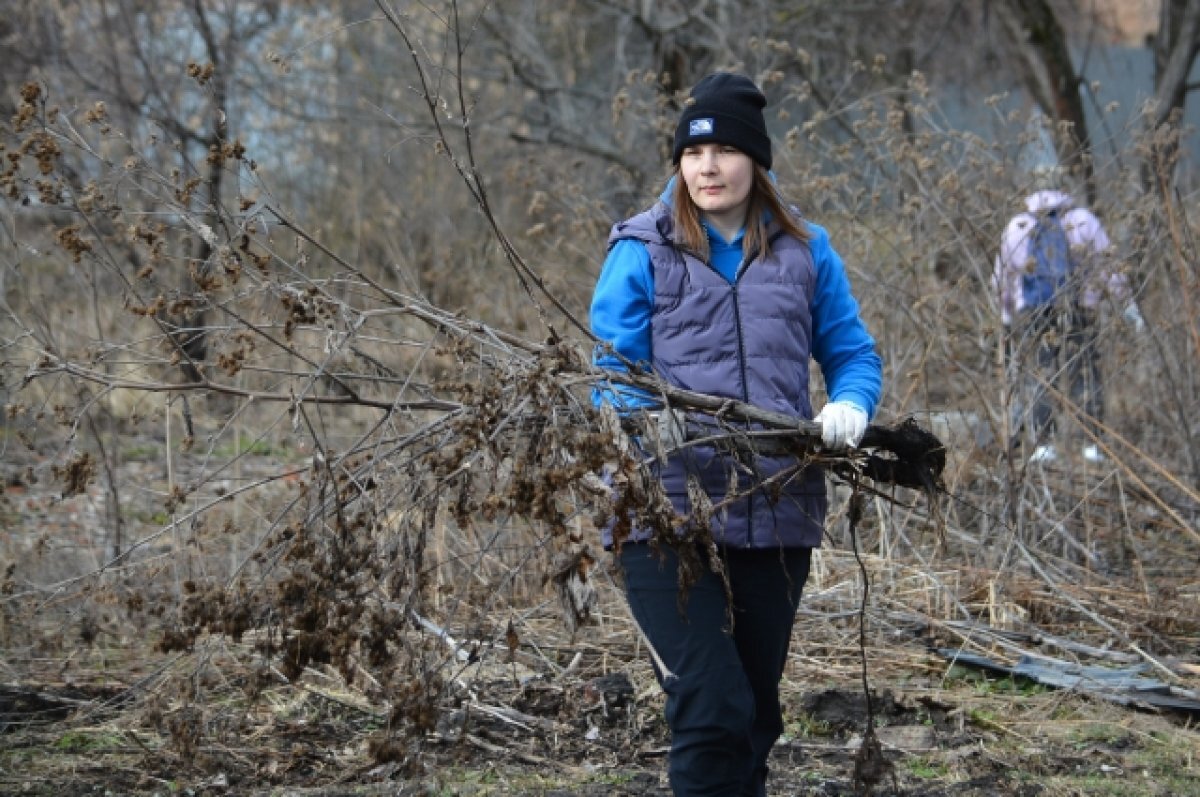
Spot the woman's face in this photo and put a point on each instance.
(719, 178)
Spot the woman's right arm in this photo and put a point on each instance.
(622, 306)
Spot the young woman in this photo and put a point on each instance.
(721, 288)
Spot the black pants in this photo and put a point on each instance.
(723, 689)
(1053, 343)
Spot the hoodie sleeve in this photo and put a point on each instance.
(842, 346)
(1089, 236)
(1010, 266)
(622, 305)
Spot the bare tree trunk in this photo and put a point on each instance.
(1044, 60)
(1175, 49)
(194, 340)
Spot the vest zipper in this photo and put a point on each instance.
(737, 315)
(741, 343)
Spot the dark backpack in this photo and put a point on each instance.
(1050, 252)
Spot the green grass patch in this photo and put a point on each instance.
(1100, 733)
(88, 742)
(988, 685)
(1123, 784)
(515, 780)
(806, 726)
(925, 769)
(142, 452)
(153, 518)
(249, 447)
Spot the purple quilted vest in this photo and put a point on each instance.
(749, 341)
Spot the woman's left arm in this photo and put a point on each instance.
(842, 346)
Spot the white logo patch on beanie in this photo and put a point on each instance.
(700, 127)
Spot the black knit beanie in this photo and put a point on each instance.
(726, 109)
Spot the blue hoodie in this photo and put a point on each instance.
(623, 304)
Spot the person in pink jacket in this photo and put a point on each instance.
(1053, 335)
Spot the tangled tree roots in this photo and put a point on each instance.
(905, 455)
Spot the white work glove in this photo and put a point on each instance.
(843, 424)
(1134, 316)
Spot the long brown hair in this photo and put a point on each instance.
(764, 201)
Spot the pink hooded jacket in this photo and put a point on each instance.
(1089, 243)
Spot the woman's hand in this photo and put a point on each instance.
(843, 424)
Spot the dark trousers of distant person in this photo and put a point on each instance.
(1053, 343)
(723, 689)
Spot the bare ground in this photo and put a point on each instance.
(574, 737)
(89, 713)
(946, 742)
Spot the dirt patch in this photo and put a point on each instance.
(585, 738)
